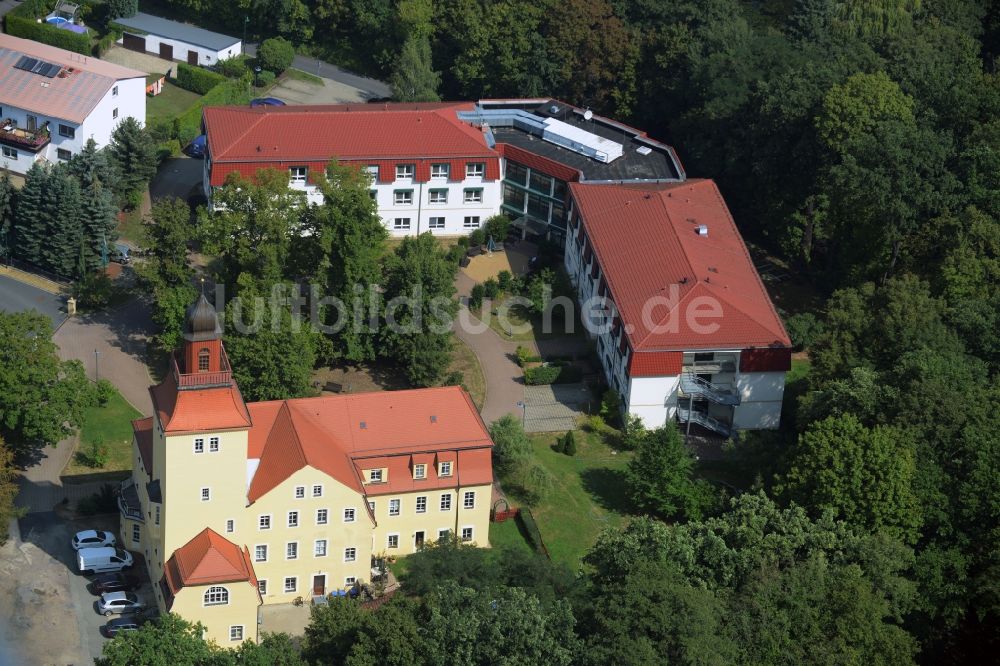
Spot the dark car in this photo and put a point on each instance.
(266, 101)
(196, 148)
(119, 624)
(110, 582)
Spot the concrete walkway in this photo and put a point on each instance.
(504, 384)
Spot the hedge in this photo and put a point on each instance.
(28, 28)
(196, 79)
(530, 527)
(552, 374)
(188, 125)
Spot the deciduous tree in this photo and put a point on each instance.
(661, 477)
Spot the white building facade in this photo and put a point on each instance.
(49, 114)
(172, 40)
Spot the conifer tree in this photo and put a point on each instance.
(134, 156)
(6, 215)
(90, 165)
(30, 219)
(98, 222)
(61, 248)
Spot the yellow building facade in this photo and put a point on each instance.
(236, 505)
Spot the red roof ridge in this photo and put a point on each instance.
(209, 558)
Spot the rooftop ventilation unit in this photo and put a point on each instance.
(702, 229)
(581, 141)
(644, 150)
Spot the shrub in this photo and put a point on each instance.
(265, 78)
(454, 378)
(462, 242)
(611, 406)
(527, 521)
(593, 423)
(103, 391)
(132, 200)
(804, 329)
(120, 8)
(234, 67)
(275, 54)
(524, 356)
(552, 374)
(568, 444)
(503, 279)
(105, 44)
(196, 79)
(96, 455)
(537, 483)
(477, 237)
(455, 253)
(496, 226)
(476, 297)
(28, 28)
(511, 446)
(515, 287)
(491, 287)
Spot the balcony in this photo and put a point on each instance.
(692, 385)
(202, 380)
(128, 501)
(30, 140)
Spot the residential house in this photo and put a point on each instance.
(52, 101)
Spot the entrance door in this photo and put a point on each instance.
(166, 51)
(192, 57)
(418, 539)
(319, 585)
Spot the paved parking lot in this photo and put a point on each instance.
(48, 614)
(556, 407)
(294, 91)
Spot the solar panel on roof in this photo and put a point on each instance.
(25, 63)
(36, 66)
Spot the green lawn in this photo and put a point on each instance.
(517, 316)
(170, 103)
(464, 360)
(112, 425)
(508, 535)
(131, 228)
(587, 496)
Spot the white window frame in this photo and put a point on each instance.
(230, 525)
(436, 222)
(404, 171)
(444, 533)
(256, 552)
(373, 473)
(291, 550)
(206, 494)
(298, 175)
(371, 505)
(199, 444)
(326, 516)
(350, 554)
(472, 533)
(8, 153)
(299, 492)
(293, 515)
(136, 533)
(349, 581)
(262, 586)
(316, 546)
(295, 584)
(213, 444)
(156, 511)
(402, 197)
(238, 627)
(473, 195)
(471, 222)
(388, 540)
(475, 169)
(260, 521)
(469, 499)
(422, 499)
(350, 514)
(445, 500)
(437, 196)
(319, 487)
(399, 506)
(440, 171)
(444, 468)
(420, 471)
(400, 223)
(220, 592)
(372, 170)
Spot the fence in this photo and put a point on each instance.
(501, 516)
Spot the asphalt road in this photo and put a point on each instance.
(18, 297)
(7, 5)
(373, 87)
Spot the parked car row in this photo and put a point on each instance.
(97, 553)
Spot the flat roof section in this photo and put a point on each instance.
(642, 158)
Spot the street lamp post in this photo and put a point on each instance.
(97, 366)
(256, 76)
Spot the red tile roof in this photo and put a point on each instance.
(475, 468)
(208, 559)
(655, 364)
(645, 237)
(354, 131)
(71, 97)
(335, 433)
(143, 430)
(198, 410)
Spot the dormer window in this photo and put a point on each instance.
(420, 471)
(203, 360)
(444, 469)
(439, 171)
(375, 476)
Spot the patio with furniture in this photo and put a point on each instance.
(33, 140)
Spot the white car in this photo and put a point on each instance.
(93, 539)
(119, 602)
